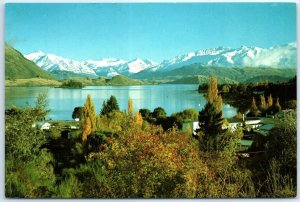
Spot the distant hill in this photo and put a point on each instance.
(123, 80)
(270, 79)
(18, 67)
(200, 79)
(60, 75)
(115, 81)
(235, 74)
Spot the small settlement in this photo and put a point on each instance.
(252, 127)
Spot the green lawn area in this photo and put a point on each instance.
(31, 82)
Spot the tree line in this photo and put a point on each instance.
(283, 95)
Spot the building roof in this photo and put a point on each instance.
(247, 143)
(266, 127)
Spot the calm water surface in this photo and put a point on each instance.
(173, 98)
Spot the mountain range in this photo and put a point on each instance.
(283, 56)
(108, 67)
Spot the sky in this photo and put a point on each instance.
(155, 31)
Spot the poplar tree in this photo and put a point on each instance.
(212, 94)
(253, 109)
(211, 118)
(88, 118)
(270, 101)
(263, 104)
(130, 107)
(277, 107)
(138, 119)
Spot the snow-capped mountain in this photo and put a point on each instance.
(135, 66)
(277, 57)
(107, 67)
(53, 63)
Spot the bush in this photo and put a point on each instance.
(71, 84)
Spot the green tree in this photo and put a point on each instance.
(110, 105)
(159, 113)
(28, 164)
(88, 121)
(145, 113)
(71, 84)
(210, 127)
(186, 115)
(211, 119)
(291, 104)
(77, 113)
(225, 88)
(282, 145)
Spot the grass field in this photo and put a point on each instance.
(31, 82)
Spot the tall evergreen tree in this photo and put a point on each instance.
(88, 118)
(210, 126)
(211, 119)
(113, 103)
(110, 105)
(77, 113)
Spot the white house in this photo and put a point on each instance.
(235, 125)
(253, 122)
(46, 126)
(191, 126)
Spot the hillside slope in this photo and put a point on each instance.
(18, 67)
(236, 74)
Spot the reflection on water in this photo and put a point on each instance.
(173, 98)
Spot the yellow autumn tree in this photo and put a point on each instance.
(130, 107)
(88, 123)
(270, 101)
(213, 96)
(138, 119)
(263, 104)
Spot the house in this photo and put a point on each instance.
(76, 119)
(244, 145)
(46, 126)
(252, 121)
(73, 127)
(192, 126)
(235, 125)
(264, 129)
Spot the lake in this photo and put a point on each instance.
(173, 98)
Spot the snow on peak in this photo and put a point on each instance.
(105, 62)
(51, 63)
(244, 56)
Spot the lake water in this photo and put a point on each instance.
(173, 98)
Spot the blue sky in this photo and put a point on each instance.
(154, 31)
